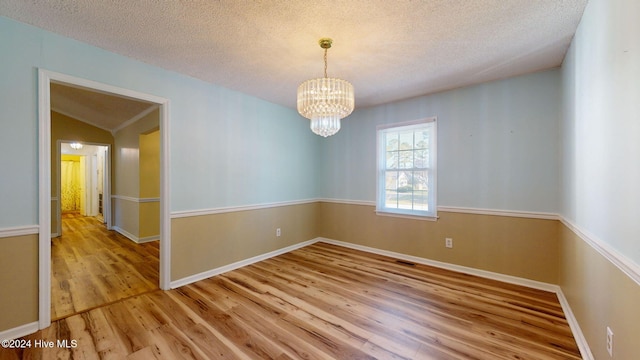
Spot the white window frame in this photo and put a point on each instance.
(381, 131)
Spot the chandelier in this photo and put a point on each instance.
(325, 100)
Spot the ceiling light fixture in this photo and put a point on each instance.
(325, 100)
(76, 146)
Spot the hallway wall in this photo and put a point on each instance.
(136, 189)
(66, 128)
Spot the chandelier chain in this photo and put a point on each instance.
(325, 62)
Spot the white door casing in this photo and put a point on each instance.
(45, 78)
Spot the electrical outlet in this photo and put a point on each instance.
(609, 341)
(448, 242)
(278, 232)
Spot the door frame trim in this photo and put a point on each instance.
(45, 78)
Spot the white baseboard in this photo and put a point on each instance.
(585, 351)
(147, 239)
(236, 265)
(20, 331)
(124, 233)
(134, 238)
(581, 341)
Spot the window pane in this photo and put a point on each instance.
(391, 199)
(391, 180)
(420, 180)
(421, 160)
(404, 181)
(405, 160)
(392, 160)
(406, 140)
(391, 141)
(405, 200)
(421, 200)
(422, 139)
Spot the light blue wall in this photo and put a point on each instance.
(18, 125)
(498, 145)
(601, 126)
(227, 148)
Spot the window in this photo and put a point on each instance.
(407, 168)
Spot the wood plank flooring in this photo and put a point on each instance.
(321, 302)
(92, 266)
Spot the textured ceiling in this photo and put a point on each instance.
(388, 50)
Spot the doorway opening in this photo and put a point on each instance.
(96, 204)
(92, 266)
(84, 182)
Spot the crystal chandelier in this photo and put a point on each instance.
(325, 100)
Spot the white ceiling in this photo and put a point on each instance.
(66, 149)
(106, 111)
(389, 50)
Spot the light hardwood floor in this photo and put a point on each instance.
(92, 266)
(322, 302)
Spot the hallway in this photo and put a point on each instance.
(92, 266)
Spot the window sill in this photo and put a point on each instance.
(407, 216)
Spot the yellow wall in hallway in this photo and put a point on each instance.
(67, 157)
(150, 164)
(149, 212)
